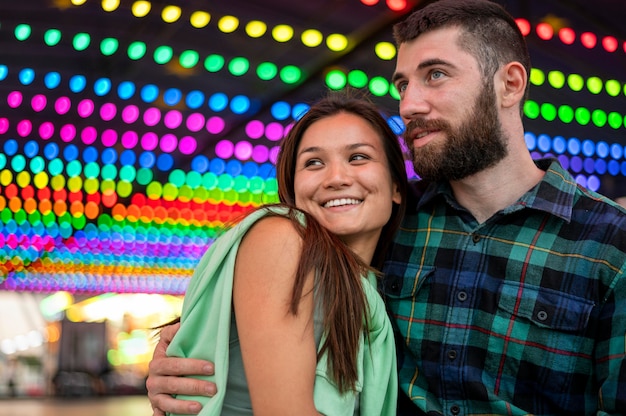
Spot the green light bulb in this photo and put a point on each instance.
(566, 113)
(357, 78)
(537, 77)
(290, 74)
(22, 32)
(52, 37)
(136, 50)
(594, 85)
(582, 116)
(531, 109)
(336, 79)
(189, 59)
(548, 111)
(214, 63)
(163, 54)
(598, 117)
(81, 41)
(238, 66)
(109, 46)
(575, 82)
(266, 71)
(379, 86)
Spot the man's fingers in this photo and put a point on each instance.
(159, 385)
(174, 366)
(172, 405)
(168, 332)
(164, 379)
(161, 388)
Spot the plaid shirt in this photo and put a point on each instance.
(523, 314)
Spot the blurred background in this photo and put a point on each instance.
(132, 132)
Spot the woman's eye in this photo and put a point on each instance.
(312, 162)
(358, 157)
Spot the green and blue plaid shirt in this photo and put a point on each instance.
(523, 314)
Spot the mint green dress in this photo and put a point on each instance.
(208, 331)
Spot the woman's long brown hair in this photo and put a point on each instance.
(338, 270)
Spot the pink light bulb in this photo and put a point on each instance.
(195, 122)
(260, 153)
(62, 105)
(130, 114)
(169, 142)
(109, 137)
(24, 128)
(129, 139)
(68, 132)
(152, 116)
(224, 149)
(274, 131)
(89, 135)
(243, 150)
(187, 145)
(38, 102)
(149, 141)
(254, 129)
(215, 125)
(14, 99)
(4, 125)
(46, 130)
(172, 119)
(108, 111)
(274, 154)
(85, 108)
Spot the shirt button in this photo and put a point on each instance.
(462, 296)
(452, 355)
(542, 315)
(475, 238)
(455, 410)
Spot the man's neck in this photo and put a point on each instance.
(495, 188)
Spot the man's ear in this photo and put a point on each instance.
(513, 82)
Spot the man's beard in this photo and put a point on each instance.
(477, 144)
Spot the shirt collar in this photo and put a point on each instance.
(554, 194)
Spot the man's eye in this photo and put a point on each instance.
(437, 75)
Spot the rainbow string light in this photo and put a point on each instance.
(93, 199)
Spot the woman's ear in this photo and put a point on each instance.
(513, 82)
(396, 197)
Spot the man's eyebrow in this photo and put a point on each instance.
(424, 64)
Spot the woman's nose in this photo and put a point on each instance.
(337, 175)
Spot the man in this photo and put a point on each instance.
(506, 283)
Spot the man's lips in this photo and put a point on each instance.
(420, 134)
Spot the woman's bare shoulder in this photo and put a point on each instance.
(274, 229)
(270, 239)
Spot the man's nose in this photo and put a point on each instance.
(413, 104)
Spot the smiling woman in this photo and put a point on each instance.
(344, 180)
(305, 333)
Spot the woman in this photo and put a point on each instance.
(290, 289)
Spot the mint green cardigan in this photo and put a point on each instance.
(205, 331)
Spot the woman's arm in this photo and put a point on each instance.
(278, 347)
